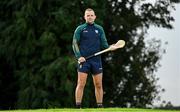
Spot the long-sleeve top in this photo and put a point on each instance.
(88, 39)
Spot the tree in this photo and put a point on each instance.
(36, 43)
(36, 51)
(133, 82)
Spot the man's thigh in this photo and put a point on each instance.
(82, 77)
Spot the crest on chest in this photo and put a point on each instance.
(96, 31)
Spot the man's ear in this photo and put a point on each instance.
(84, 17)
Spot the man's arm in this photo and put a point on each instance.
(75, 43)
(104, 43)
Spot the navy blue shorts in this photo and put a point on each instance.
(93, 66)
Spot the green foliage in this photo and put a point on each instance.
(95, 110)
(135, 84)
(36, 45)
(38, 69)
(47, 87)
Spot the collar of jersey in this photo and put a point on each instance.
(90, 24)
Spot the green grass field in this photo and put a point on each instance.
(93, 110)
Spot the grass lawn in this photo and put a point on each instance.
(92, 110)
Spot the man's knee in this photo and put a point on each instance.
(81, 84)
(81, 80)
(98, 85)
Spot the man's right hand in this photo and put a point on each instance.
(81, 59)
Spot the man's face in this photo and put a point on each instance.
(89, 17)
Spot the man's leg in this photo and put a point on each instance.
(82, 77)
(97, 79)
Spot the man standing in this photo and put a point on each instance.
(88, 39)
